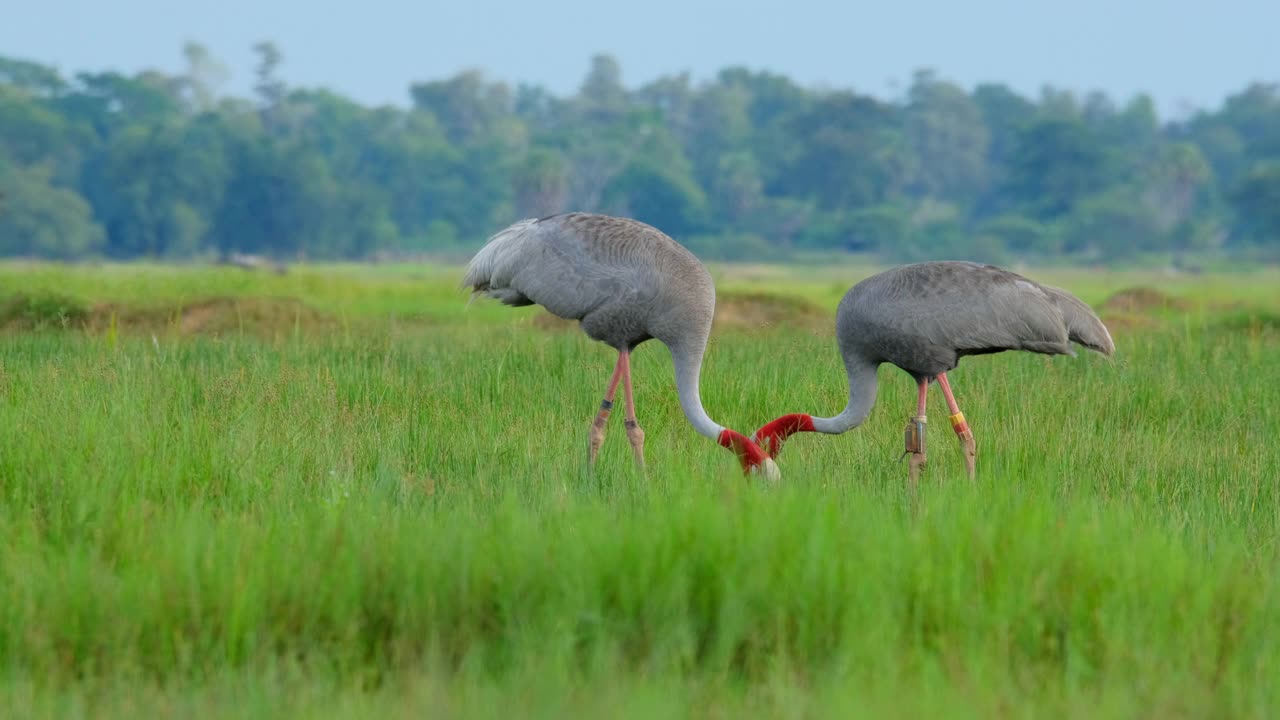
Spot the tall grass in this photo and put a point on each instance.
(402, 523)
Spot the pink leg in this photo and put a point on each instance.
(960, 426)
(915, 434)
(602, 417)
(634, 433)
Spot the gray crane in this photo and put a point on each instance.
(625, 282)
(923, 318)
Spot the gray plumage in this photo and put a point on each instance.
(925, 317)
(624, 281)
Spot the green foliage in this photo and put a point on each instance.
(1112, 225)
(171, 168)
(393, 518)
(663, 198)
(39, 219)
(1020, 236)
(541, 183)
(1056, 162)
(1258, 198)
(945, 129)
(41, 311)
(877, 229)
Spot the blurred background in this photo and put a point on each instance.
(1092, 133)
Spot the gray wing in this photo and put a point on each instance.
(552, 262)
(1083, 324)
(985, 309)
(925, 315)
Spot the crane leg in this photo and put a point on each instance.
(960, 426)
(602, 417)
(914, 435)
(634, 433)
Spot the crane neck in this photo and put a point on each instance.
(687, 359)
(862, 396)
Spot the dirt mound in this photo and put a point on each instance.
(44, 311)
(215, 316)
(764, 311)
(1120, 322)
(750, 311)
(1141, 300)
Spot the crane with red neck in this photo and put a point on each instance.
(626, 283)
(923, 318)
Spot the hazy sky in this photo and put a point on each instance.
(1178, 50)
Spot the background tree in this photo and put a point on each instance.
(747, 164)
(38, 219)
(949, 137)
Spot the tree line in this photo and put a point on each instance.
(748, 165)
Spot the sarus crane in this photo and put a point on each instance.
(625, 282)
(923, 318)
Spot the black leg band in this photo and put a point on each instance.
(914, 435)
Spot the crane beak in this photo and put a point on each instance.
(767, 470)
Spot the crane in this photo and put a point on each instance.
(923, 318)
(625, 282)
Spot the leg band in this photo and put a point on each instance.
(914, 435)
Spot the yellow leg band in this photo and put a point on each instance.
(957, 421)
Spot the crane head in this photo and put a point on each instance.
(768, 470)
(754, 460)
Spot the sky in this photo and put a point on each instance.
(1184, 54)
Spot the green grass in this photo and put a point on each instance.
(390, 515)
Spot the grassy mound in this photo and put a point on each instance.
(1143, 300)
(33, 312)
(257, 316)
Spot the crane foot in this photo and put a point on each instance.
(917, 463)
(597, 431)
(636, 435)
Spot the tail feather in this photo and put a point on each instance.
(1083, 325)
(483, 272)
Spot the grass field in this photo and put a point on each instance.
(341, 492)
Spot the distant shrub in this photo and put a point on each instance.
(42, 311)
